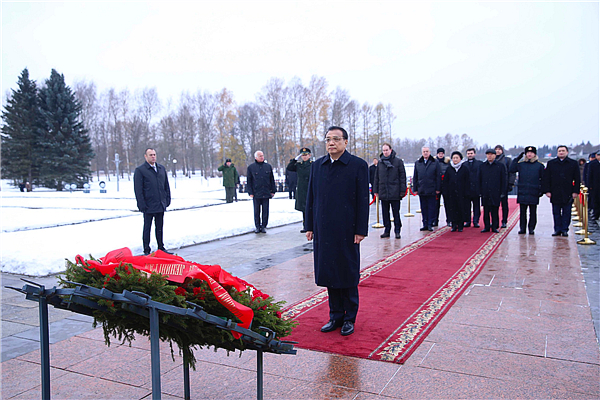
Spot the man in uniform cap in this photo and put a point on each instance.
(531, 173)
(230, 179)
(301, 166)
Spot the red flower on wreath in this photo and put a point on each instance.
(180, 291)
(278, 314)
(199, 292)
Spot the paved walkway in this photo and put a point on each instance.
(523, 329)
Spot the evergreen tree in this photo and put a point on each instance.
(21, 133)
(67, 146)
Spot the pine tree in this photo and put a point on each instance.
(67, 146)
(21, 132)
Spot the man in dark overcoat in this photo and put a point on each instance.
(261, 187)
(492, 183)
(444, 162)
(427, 184)
(510, 182)
(337, 218)
(472, 196)
(531, 173)
(153, 196)
(301, 166)
(291, 180)
(594, 187)
(390, 186)
(561, 184)
(372, 170)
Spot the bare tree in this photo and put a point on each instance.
(90, 109)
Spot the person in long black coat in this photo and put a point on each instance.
(261, 187)
(301, 165)
(372, 170)
(531, 173)
(510, 182)
(455, 187)
(492, 183)
(153, 196)
(444, 163)
(473, 198)
(337, 218)
(390, 186)
(427, 184)
(593, 184)
(561, 184)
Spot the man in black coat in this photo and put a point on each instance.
(531, 173)
(510, 183)
(472, 195)
(291, 180)
(301, 166)
(492, 181)
(261, 187)
(586, 169)
(427, 184)
(153, 196)
(337, 218)
(561, 185)
(593, 184)
(390, 186)
(372, 170)
(444, 162)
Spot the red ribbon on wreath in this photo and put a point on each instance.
(178, 270)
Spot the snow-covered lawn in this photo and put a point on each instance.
(40, 229)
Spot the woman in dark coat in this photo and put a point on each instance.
(531, 173)
(455, 186)
(302, 168)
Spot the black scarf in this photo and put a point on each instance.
(387, 161)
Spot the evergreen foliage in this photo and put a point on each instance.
(67, 147)
(21, 132)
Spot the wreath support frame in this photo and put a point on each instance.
(80, 300)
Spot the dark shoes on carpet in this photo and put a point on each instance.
(475, 225)
(495, 231)
(331, 326)
(503, 225)
(485, 230)
(347, 328)
(385, 235)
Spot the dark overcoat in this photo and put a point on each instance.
(593, 184)
(531, 173)
(561, 179)
(455, 187)
(427, 177)
(337, 208)
(510, 178)
(473, 167)
(390, 180)
(261, 182)
(302, 169)
(230, 175)
(492, 182)
(152, 190)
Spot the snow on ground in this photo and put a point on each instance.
(40, 229)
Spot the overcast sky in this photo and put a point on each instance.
(510, 73)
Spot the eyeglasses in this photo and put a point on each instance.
(334, 138)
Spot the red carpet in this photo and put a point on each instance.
(403, 296)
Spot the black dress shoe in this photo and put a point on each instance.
(165, 251)
(434, 224)
(485, 230)
(385, 235)
(257, 230)
(430, 229)
(454, 229)
(460, 229)
(532, 233)
(347, 328)
(503, 225)
(263, 229)
(331, 326)
(495, 231)
(521, 232)
(423, 228)
(302, 230)
(475, 225)
(466, 225)
(565, 234)
(398, 235)
(146, 252)
(556, 234)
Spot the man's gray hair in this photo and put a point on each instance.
(424, 147)
(256, 153)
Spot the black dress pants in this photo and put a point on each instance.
(504, 204)
(385, 210)
(158, 227)
(532, 217)
(476, 204)
(491, 211)
(261, 204)
(428, 210)
(343, 304)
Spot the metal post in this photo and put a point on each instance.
(585, 215)
(259, 374)
(377, 225)
(44, 345)
(186, 375)
(409, 214)
(155, 353)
